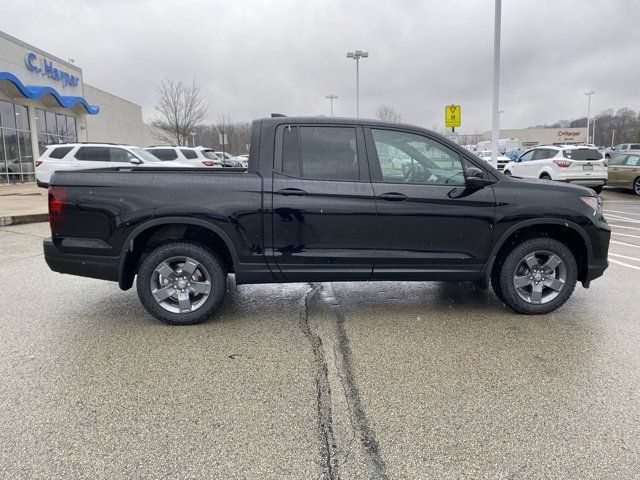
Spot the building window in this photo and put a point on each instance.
(54, 128)
(16, 155)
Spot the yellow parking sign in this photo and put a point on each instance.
(452, 115)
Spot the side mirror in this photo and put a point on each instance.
(476, 178)
(135, 161)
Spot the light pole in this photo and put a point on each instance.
(588, 94)
(357, 55)
(613, 136)
(495, 123)
(331, 98)
(193, 139)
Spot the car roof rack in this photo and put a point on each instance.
(84, 143)
(277, 115)
(170, 146)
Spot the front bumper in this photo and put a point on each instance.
(93, 266)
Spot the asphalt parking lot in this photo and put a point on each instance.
(334, 380)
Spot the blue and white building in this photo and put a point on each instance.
(44, 100)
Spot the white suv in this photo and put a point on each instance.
(83, 156)
(577, 164)
(195, 157)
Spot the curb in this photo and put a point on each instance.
(20, 219)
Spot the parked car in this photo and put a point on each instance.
(624, 171)
(228, 160)
(190, 156)
(316, 205)
(621, 148)
(486, 156)
(565, 163)
(82, 156)
(244, 160)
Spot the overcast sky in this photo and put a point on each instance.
(256, 57)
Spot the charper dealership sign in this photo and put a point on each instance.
(47, 68)
(569, 133)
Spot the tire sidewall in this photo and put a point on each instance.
(208, 259)
(513, 258)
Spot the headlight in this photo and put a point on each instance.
(594, 203)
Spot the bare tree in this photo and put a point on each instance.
(180, 108)
(388, 114)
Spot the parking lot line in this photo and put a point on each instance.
(624, 226)
(625, 244)
(618, 218)
(618, 211)
(624, 256)
(625, 235)
(624, 264)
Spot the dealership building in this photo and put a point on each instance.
(44, 100)
(530, 137)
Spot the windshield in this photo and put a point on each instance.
(582, 154)
(144, 155)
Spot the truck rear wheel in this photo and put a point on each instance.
(537, 276)
(181, 283)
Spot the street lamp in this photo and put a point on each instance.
(357, 55)
(331, 98)
(193, 139)
(588, 94)
(495, 120)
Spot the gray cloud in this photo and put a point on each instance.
(257, 57)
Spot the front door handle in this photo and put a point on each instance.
(394, 197)
(291, 192)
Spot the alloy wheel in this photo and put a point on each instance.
(540, 277)
(180, 284)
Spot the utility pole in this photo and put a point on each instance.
(588, 94)
(331, 98)
(495, 121)
(357, 55)
(193, 139)
(613, 137)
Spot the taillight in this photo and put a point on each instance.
(208, 163)
(605, 163)
(562, 163)
(57, 207)
(38, 163)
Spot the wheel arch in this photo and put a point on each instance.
(169, 229)
(565, 231)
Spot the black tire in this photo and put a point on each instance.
(636, 186)
(503, 275)
(545, 176)
(507, 172)
(597, 189)
(207, 261)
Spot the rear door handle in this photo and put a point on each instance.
(291, 192)
(394, 197)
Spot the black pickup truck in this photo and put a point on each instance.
(326, 199)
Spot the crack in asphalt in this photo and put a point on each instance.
(360, 427)
(323, 391)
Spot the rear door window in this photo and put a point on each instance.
(633, 160)
(59, 152)
(320, 153)
(164, 153)
(93, 154)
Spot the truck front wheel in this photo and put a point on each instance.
(537, 276)
(181, 283)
